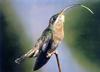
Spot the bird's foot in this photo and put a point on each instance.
(49, 54)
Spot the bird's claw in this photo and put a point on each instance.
(49, 54)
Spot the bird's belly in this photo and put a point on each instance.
(58, 36)
(58, 32)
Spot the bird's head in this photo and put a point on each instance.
(56, 18)
(59, 17)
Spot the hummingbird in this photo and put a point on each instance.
(50, 39)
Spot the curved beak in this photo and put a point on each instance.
(66, 8)
(74, 5)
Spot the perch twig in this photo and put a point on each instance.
(58, 62)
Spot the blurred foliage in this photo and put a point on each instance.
(82, 34)
(13, 41)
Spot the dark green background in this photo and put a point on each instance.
(82, 35)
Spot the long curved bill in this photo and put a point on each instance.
(75, 5)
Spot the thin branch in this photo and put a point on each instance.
(58, 62)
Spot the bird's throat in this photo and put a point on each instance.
(58, 31)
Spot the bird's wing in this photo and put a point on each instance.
(42, 57)
(44, 39)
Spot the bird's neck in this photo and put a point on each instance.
(58, 26)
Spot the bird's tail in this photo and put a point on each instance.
(20, 59)
(32, 53)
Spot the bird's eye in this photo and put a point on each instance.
(54, 18)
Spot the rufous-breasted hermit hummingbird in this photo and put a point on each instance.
(51, 37)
